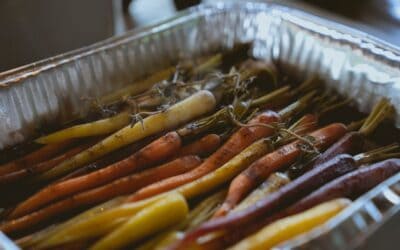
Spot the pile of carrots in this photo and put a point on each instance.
(215, 153)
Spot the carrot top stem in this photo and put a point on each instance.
(378, 154)
(332, 105)
(218, 118)
(274, 95)
(356, 125)
(297, 106)
(382, 110)
(209, 64)
(307, 85)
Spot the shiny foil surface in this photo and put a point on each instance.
(356, 65)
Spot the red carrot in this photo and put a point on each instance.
(351, 143)
(202, 147)
(37, 156)
(120, 186)
(109, 159)
(40, 167)
(284, 156)
(236, 143)
(156, 151)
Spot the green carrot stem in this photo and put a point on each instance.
(308, 85)
(209, 64)
(333, 106)
(382, 153)
(380, 112)
(356, 125)
(297, 106)
(268, 98)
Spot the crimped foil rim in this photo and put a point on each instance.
(360, 38)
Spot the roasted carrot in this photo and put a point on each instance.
(66, 231)
(197, 215)
(198, 104)
(133, 182)
(96, 128)
(292, 226)
(284, 156)
(293, 191)
(278, 200)
(350, 185)
(40, 167)
(258, 127)
(272, 184)
(121, 186)
(202, 147)
(189, 190)
(236, 143)
(109, 159)
(156, 151)
(40, 155)
(303, 125)
(154, 218)
(353, 141)
(37, 237)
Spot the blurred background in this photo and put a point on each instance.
(34, 30)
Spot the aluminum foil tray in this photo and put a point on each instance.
(350, 228)
(54, 90)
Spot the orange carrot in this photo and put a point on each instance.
(37, 156)
(41, 167)
(109, 159)
(202, 147)
(158, 150)
(236, 143)
(284, 156)
(120, 186)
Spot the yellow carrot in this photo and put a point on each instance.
(109, 220)
(89, 227)
(38, 237)
(273, 183)
(202, 212)
(100, 127)
(292, 226)
(166, 241)
(161, 214)
(184, 111)
(227, 171)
